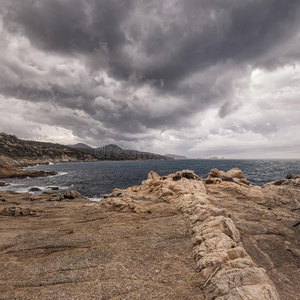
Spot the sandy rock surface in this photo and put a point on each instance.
(173, 237)
(77, 249)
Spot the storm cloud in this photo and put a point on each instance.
(198, 77)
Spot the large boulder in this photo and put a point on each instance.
(235, 173)
(215, 173)
(216, 176)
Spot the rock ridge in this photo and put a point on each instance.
(225, 269)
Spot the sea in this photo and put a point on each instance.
(96, 179)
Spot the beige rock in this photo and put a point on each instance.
(235, 173)
(217, 173)
(229, 228)
(153, 176)
(236, 236)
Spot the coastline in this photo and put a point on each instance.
(148, 240)
(100, 178)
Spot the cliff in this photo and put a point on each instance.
(173, 237)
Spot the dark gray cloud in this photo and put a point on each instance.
(68, 26)
(136, 68)
(181, 38)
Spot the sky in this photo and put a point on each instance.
(198, 78)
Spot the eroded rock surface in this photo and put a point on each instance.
(77, 249)
(226, 271)
(173, 237)
(268, 220)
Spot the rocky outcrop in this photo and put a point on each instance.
(7, 170)
(234, 175)
(172, 237)
(226, 271)
(292, 180)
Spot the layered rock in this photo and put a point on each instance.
(225, 269)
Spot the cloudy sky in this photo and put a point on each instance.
(192, 77)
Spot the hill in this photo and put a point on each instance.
(80, 146)
(25, 152)
(114, 152)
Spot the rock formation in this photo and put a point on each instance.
(8, 170)
(226, 271)
(172, 237)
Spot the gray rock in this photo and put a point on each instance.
(34, 189)
(53, 188)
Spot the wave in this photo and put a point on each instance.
(21, 188)
(96, 199)
(62, 173)
(59, 174)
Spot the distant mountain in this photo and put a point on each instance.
(80, 146)
(114, 152)
(174, 156)
(23, 152)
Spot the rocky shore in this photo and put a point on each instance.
(173, 237)
(9, 170)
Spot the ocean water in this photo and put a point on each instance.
(95, 179)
